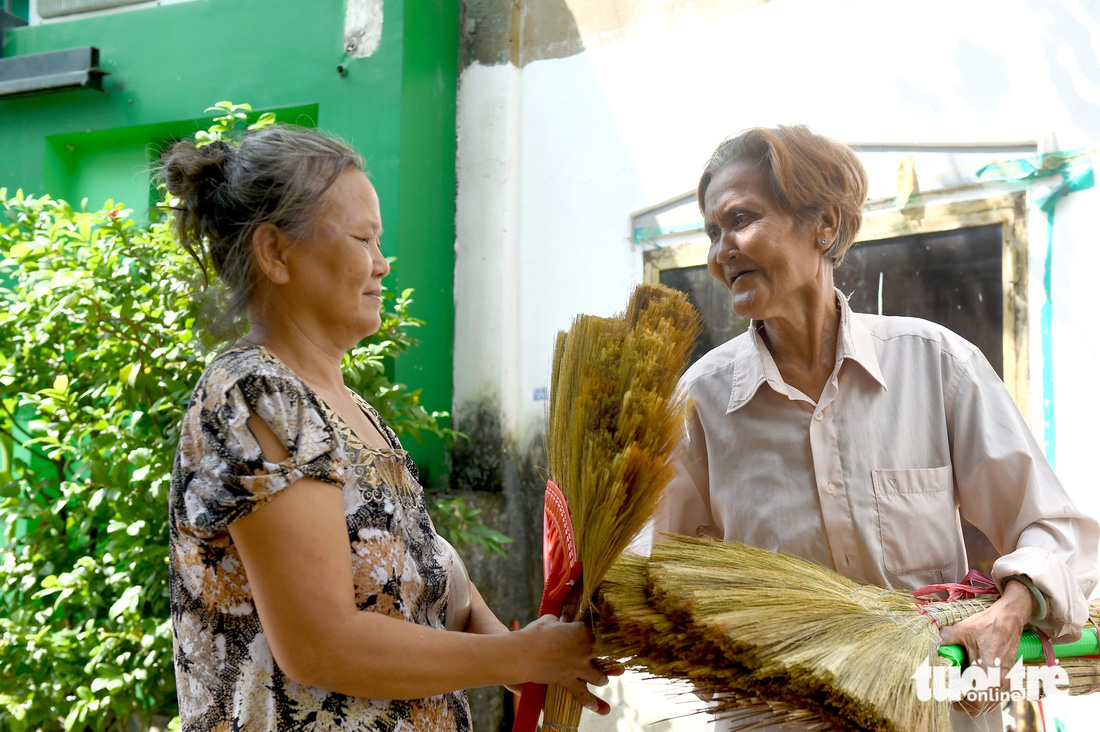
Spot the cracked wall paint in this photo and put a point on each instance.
(362, 27)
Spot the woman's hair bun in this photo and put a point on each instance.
(193, 174)
(278, 175)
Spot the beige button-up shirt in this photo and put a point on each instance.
(914, 426)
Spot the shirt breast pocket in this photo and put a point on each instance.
(917, 524)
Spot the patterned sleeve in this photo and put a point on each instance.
(227, 476)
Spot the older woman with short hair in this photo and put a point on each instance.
(855, 440)
(309, 589)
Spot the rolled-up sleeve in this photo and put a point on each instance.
(1007, 489)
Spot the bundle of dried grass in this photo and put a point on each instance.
(803, 629)
(780, 639)
(775, 639)
(630, 629)
(614, 422)
(1084, 672)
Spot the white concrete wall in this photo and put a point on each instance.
(1076, 339)
(554, 157)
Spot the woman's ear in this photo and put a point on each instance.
(269, 249)
(828, 227)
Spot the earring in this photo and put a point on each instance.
(824, 241)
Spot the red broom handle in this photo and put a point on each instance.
(561, 569)
(531, 702)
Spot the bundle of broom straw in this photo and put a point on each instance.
(614, 422)
(629, 628)
(779, 639)
(1082, 663)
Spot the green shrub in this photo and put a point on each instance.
(99, 353)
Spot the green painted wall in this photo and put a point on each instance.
(167, 64)
(21, 8)
(427, 189)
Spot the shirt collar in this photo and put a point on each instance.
(856, 343)
(748, 369)
(753, 364)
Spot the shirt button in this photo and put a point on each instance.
(818, 416)
(845, 377)
(830, 488)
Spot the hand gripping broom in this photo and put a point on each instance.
(561, 570)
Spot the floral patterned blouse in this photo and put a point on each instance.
(226, 677)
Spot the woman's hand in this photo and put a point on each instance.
(561, 654)
(992, 635)
(483, 621)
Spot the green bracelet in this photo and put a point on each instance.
(1034, 592)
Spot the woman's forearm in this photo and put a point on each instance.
(295, 553)
(482, 618)
(381, 657)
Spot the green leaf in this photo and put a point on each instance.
(125, 603)
(71, 719)
(129, 373)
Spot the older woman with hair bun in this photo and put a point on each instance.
(309, 589)
(857, 440)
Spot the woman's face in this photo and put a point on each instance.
(335, 281)
(771, 264)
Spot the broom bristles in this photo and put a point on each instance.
(629, 629)
(613, 424)
(775, 635)
(800, 625)
(782, 640)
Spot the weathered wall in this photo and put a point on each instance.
(522, 31)
(575, 113)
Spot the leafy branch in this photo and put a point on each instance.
(100, 351)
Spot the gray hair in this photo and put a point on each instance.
(277, 175)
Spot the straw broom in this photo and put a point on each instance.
(613, 424)
(786, 641)
(631, 630)
(782, 638)
(803, 628)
